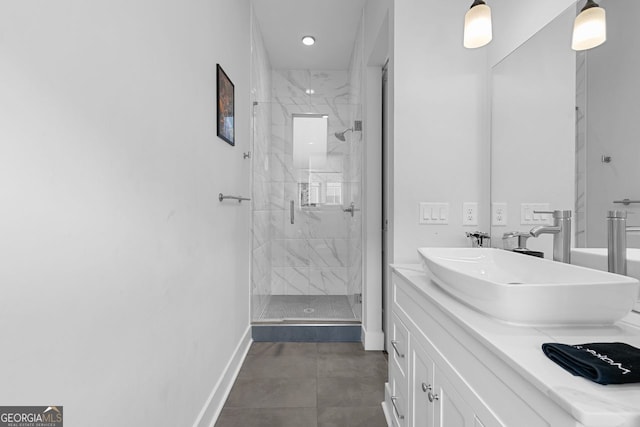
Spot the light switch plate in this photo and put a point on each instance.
(529, 217)
(470, 213)
(434, 213)
(499, 216)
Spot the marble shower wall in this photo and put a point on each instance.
(311, 256)
(261, 192)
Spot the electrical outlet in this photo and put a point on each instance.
(470, 213)
(499, 214)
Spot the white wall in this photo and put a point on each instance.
(441, 151)
(377, 35)
(125, 283)
(533, 128)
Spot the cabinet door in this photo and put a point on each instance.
(399, 344)
(450, 409)
(421, 385)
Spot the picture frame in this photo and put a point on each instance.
(225, 106)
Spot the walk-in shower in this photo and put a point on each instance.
(307, 263)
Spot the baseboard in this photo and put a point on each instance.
(372, 341)
(212, 408)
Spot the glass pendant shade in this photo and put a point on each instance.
(477, 26)
(590, 28)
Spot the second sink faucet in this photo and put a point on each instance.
(561, 230)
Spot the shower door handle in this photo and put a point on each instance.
(351, 209)
(291, 209)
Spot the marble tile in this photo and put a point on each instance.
(328, 222)
(260, 262)
(328, 281)
(260, 195)
(260, 232)
(328, 253)
(278, 281)
(278, 259)
(277, 223)
(297, 281)
(296, 253)
(277, 199)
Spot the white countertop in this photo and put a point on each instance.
(520, 347)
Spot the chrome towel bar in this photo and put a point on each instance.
(221, 197)
(626, 202)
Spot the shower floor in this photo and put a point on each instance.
(308, 307)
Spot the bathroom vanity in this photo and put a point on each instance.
(451, 365)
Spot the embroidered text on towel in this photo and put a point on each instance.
(604, 358)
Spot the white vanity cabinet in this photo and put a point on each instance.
(442, 374)
(420, 393)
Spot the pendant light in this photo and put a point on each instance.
(590, 27)
(477, 25)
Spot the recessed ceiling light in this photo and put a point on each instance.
(310, 91)
(308, 40)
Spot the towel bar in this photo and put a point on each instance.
(221, 197)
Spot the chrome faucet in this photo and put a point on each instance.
(617, 241)
(479, 239)
(561, 230)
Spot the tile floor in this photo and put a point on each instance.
(304, 307)
(307, 385)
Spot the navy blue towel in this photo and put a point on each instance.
(603, 363)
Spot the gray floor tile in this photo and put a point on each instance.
(273, 393)
(340, 348)
(279, 367)
(283, 349)
(369, 364)
(267, 417)
(358, 416)
(342, 392)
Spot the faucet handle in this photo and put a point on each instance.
(559, 214)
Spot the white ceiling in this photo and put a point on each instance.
(333, 23)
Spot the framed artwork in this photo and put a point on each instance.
(225, 98)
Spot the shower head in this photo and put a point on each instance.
(340, 135)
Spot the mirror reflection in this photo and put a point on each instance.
(565, 135)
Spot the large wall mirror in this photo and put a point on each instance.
(566, 129)
(533, 126)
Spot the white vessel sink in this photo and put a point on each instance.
(529, 290)
(598, 258)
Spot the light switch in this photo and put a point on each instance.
(528, 217)
(434, 213)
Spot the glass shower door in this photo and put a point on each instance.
(311, 254)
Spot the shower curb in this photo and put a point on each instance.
(307, 333)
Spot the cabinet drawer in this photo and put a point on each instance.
(399, 345)
(399, 403)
